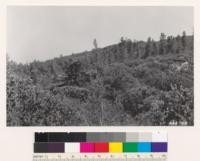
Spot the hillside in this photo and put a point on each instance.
(130, 83)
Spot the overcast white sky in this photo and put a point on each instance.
(41, 33)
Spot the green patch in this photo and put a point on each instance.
(130, 147)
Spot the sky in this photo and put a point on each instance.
(45, 32)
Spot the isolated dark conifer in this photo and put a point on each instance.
(184, 40)
(95, 44)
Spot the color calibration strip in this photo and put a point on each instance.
(137, 142)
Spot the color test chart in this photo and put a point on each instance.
(143, 146)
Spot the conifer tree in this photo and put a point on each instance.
(183, 39)
(162, 45)
(95, 44)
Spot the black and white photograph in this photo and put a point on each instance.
(100, 66)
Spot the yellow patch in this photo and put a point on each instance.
(115, 147)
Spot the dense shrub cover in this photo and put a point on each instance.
(129, 83)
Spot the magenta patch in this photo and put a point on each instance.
(86, 147)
